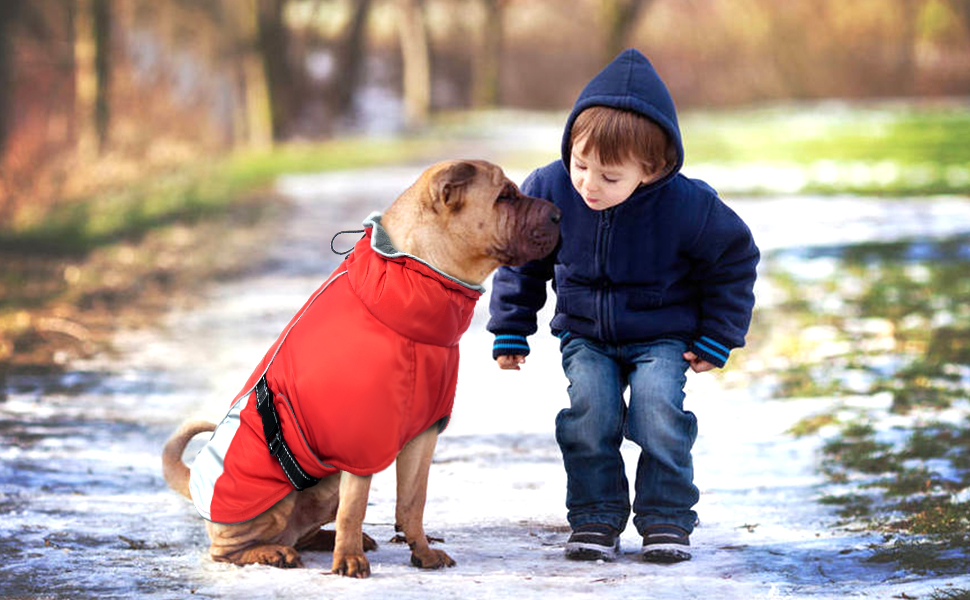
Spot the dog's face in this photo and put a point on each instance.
(485, 210)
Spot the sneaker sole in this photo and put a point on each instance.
(585, 551)
(665, 553)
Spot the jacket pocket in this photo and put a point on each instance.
(577, 303)
(637, 299)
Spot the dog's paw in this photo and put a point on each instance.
(431, 559)
(351, 565)
(273, 555)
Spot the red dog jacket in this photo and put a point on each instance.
(368, 363)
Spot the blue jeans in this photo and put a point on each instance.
(591, 430)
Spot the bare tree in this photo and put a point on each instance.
(8, 16)
(486, 70)
(253, 121)
(101, 13)
(351, 57)
(283, 80)
(906, 46)
(92, 56)
(620, 18)
(416, 56)
(962, 8)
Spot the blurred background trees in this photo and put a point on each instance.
(133, 85)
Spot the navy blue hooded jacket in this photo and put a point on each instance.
(672, 261)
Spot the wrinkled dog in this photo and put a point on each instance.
(363, 375)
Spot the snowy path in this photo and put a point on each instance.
(85, 512)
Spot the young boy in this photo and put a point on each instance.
(653, 274)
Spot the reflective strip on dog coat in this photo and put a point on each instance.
(368, 363)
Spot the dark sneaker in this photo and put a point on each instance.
(665, 544)
(593, 542)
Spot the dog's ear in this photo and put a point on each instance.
(448, 186)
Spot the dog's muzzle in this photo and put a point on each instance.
(542, 224)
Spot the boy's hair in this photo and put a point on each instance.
(617, 135)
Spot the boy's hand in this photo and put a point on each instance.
(697, 364)
(510, 362)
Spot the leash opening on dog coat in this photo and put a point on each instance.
(275, 442)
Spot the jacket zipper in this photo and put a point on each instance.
(603, 294)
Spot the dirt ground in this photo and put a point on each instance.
(56, 308)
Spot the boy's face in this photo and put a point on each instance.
(603, 186)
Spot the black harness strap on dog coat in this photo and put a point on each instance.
(300, 479)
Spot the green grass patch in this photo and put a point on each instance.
(850, 506)
(923, 556)
(878, 301)
(951, 594)
(818, 148)
(812, 424)
(808, 134)
(861, 454)
(188, 194)
(838, 149)
(913, 505)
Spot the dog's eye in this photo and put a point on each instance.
(507, 194)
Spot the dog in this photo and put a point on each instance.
(363, 375)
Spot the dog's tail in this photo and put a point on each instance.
(175, 471)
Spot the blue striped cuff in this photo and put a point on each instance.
(711, 350)
(510, 345)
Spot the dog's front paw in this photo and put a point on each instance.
(428, 558)
(351, 565)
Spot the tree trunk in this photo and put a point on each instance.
(101, 13)
(351, 58)
(85, 79)
(486, 75)
(620, 18)
(253, 121)
(962, 8)
(92, 75)
(905, 67)
(273, 43)
(417, 63)
(8, 14)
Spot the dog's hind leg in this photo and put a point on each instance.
(273, 555)
(316, 507)
(324, 540)
(267, 539)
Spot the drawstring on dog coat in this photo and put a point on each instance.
(332, 240)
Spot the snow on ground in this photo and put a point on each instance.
(86, 513)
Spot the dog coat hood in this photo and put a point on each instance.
(368, 363)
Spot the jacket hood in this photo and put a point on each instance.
(630, 83)
(406, 293)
